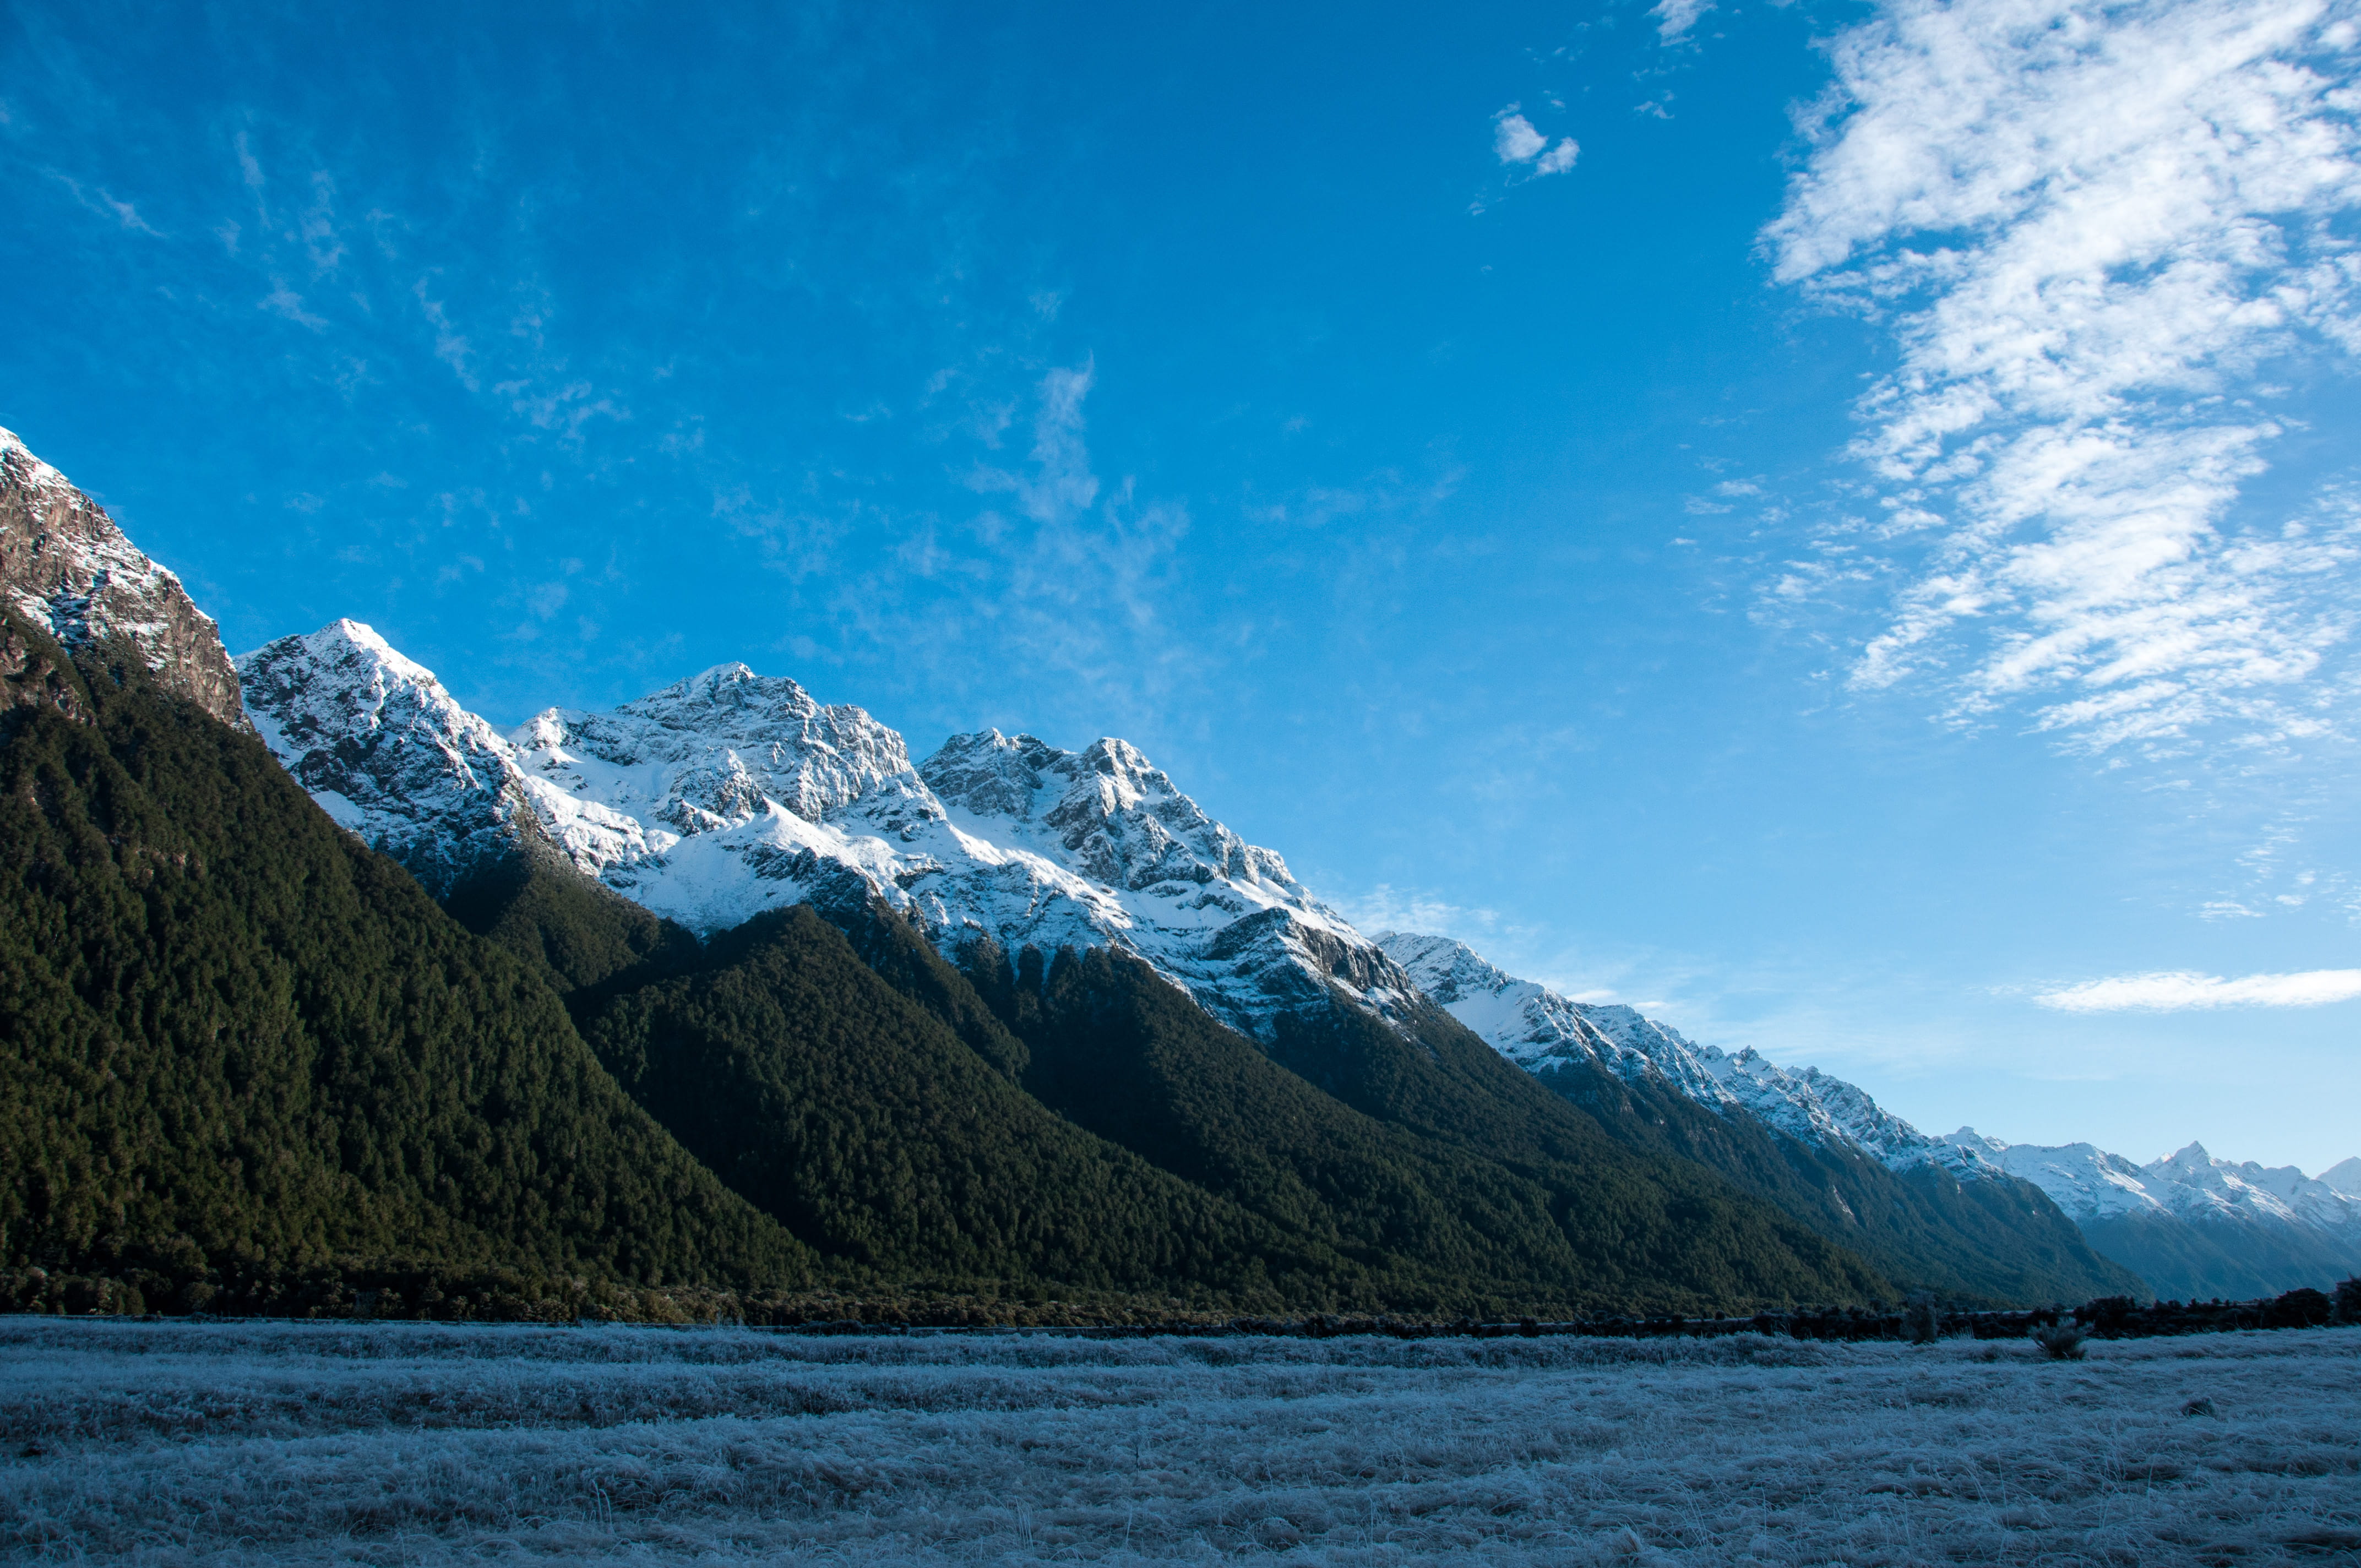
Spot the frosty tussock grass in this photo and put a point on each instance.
(250, 1443)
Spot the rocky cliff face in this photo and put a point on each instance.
(387, 752)
(731, 793)
(65, 565)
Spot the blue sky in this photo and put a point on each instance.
(1836, 524)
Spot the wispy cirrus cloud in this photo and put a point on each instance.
(1386, 907)
(2103, 239)
(2174, 990)
(105, 204)
(1059, 577)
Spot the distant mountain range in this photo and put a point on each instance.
(2194, 1226)
(1047, 996)
(2190, 1226)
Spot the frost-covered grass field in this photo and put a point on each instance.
(252, 1442)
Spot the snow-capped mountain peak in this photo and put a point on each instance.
(1118, 816)
(713, 751)
(2086, 1182)
(387, 751)
(2197, 1183)
(1222, 916)
(66, 566)
(2221, 1197)
(730, 793)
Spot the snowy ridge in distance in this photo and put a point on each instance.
(2192, 1185)
(731, 793)
(1538, 1030)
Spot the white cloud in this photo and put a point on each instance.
(1513, 136)
(1675, 17)
(2096, 234)
(2172, 991)
(1514, 140)
(106, 205)
(450, 346)
(1061, 576)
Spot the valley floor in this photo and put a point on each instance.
(172, 1442)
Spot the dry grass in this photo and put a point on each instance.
(175, 1442)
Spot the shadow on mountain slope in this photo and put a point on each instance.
(1987, 1242)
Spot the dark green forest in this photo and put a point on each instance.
(1084, 1123)
(1412, 1147)
(1979, 1242)
(234, 1040)
(245, 1060)
(2185, 1261)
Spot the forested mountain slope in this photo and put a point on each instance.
(1427, 1147)
(231, 1035)
(233, 1038)
(861, 1089)
(873, 1129)
(1995, 1242)
(1929, 1212)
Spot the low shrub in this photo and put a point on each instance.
(2061, 1342)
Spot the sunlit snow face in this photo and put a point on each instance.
(731, 794)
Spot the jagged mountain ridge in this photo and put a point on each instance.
(1536, 1027)
(2189, 1224)
(2190, 1184)
(67, 567)
(2195, 1225)
(1045, 847)
(729, 794)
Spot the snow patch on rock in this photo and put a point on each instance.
(67, 567)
